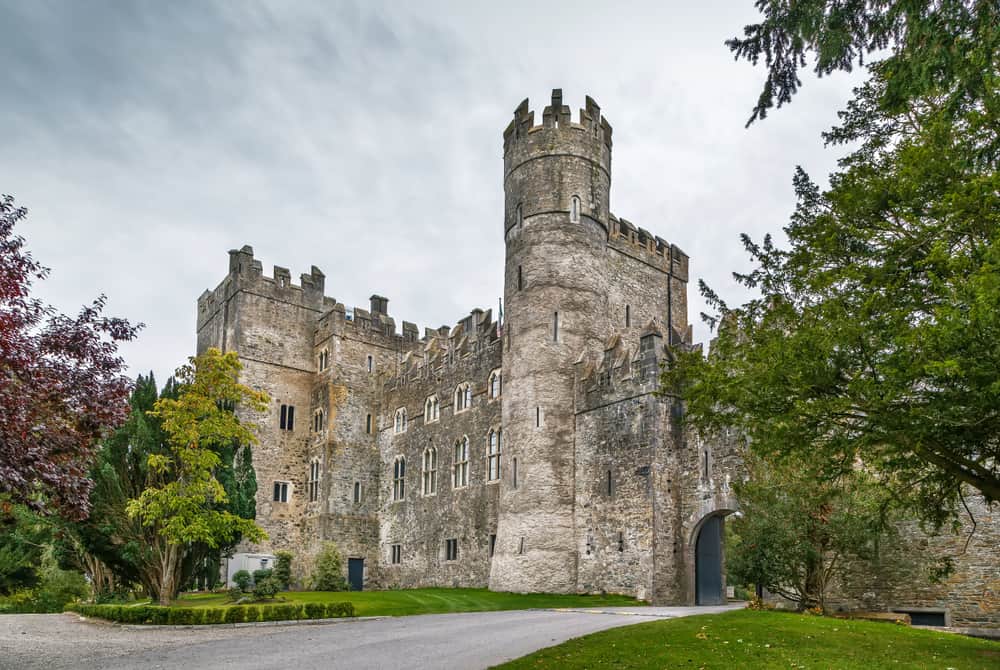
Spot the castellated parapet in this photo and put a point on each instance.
(528, 453)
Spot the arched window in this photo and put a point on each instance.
(495, 447)
(370, 363)
(463, 397)
(496, 384)
(399, 478)
(574, 210)
(432, 409)
(430, 471)
(460, 474)
(324, 359)
(400, 424)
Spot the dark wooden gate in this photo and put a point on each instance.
(356, 573)
(708, 563)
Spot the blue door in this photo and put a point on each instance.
(356, 573)
(708, 563)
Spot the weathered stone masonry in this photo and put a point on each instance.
(597, 489)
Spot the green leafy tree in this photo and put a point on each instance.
(929, 48)
(117, 548)
(328, 574)
(283, 569)
(799, 532)
(185, 505)
(873, 335)
(24, 539)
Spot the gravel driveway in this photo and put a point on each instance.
(455, 641)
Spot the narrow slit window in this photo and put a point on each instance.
(555, 326)
(628, 315)
(538, 417)
(610, 485)
(313, 480)
(621, 542)
(520, 279)
(368, 424)
(518, 217)
(493, 544)
(399, 479)
(574, 210)
(513, 465)
(357, 492)
(520, 546)
(371, 364)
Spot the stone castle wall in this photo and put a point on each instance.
(421, 523)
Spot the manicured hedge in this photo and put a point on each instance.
(155, 614)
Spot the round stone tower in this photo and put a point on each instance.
(557, 178)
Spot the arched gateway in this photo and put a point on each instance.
(708, 563)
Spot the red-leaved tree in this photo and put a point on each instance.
(61, 384)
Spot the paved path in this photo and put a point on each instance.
(453, 641)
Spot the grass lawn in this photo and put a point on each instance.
(425, 601)
(749, 639)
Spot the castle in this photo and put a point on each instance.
(530, 455)
(525, 454)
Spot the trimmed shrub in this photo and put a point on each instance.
(181, 616)
(242, 579)
(236, 614)
(265, 588)
(154, 614)
(261, 575)
(328, 574)
(234, 594)
(283, 569)
(215, 614)
(335, 610)
(253, 613)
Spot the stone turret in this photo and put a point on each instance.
(557, 178)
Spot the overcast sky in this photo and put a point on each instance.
(148, 138)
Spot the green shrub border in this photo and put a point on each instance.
(187, 616)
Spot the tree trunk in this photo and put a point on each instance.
(169, 569)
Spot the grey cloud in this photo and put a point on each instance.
(148, 138)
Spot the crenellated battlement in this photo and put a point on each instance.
(247, 274)
(589, 137)
(557, 116)
(473, 338)
(625, 369)
(647, 247)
